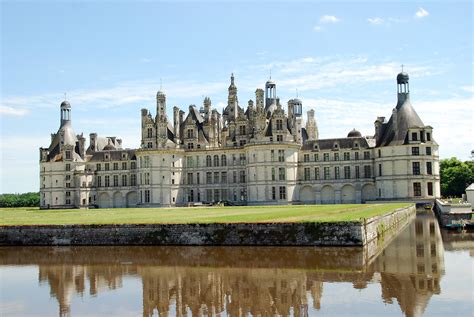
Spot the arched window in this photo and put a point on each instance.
(216, 160)
(223, 160)
(208, 161)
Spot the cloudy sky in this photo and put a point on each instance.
(340, 58)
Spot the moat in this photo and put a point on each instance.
(423, 271)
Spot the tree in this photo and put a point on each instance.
(455, 176)
(20, 200)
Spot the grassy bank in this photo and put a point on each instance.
(250, 214)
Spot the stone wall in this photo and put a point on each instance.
(282, 234)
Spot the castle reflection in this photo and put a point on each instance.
(238, 281)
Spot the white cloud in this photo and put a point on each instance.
(328, 19)
(468, 88)
(317, 28)
(11, 111)
(146, 60)
(375, 21)
(421, 13)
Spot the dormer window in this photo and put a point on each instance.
(124, 156)
(150, 133)
(336, 146)
(428, 136)
(280, 138)
(190, 133)
(316, 147)
(279, 124)
(107, 156)
(68, 155)
(242, 130)
(414, 136)
(356, 145)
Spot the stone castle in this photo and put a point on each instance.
(258, 155)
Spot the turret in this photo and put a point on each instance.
(403, 88)
(270, 93)
(160, 104)
(177, 124)
(232, 100)
(207, 107)
(311, 126)
(259, 99)
(65, 112)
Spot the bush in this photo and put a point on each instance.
(20, 200)
(456, 176)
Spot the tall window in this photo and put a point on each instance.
(326, 157)
(327, 172)
(124, 180)
(190, 133)
(279, 138)
(224, 177)
(68, 155)
(417, 189)
(356, 156)
(98, 167)
(223, 160)
(336, 172)
(124, 165)
(147, 195)
(414, 136)
(347, 156)
(272, 155)
(149, 133)
(216, 160)
(281, 173)
(216, 177)
(68, 167)
(282, 192)
(428, 150)
(281, 155)
(198, 181)
(209, 178)
(273, 174)
(336, 156)
(307, 174)
(242, 130)
(357, 172)
(274, 193)
(306, 158)
(316, 173)
(416, 168)
(99, 181)
(133, 180)
(189, 161)
(367, 171)
(242, 159)
(133, 165)
(415, 150)
(147, 178)
(208, 161)
(347, 172)
(242, 177)
(190, 178)
(429, 168)
(428, 136)
(430, 189)
(316, 157)
(234, 177)
(380, 169)
(279, 124)
(115, 165)
(366, 155)
(107, 181)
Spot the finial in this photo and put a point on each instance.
(232, 78)
(296, 92)
(65, 96)
(402, 67)
(161, 84)
(270, 74)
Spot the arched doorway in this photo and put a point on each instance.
(104, 200)
(118, 200)
(327, 195)
(131, 199)
(368, 192)
(307, 194)
(348, 194)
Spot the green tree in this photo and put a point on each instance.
(455, 176)
(20, 200)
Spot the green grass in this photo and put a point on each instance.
(249, 214)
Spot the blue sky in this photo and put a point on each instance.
(343, 57)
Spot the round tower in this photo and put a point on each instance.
(65, 112)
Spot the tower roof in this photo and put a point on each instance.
(354, 134)
(65, 104)
(402, 78)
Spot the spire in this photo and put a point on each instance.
(403, 87)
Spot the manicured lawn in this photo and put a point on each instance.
(251, 214)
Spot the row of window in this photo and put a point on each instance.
(422, 138)
(327, 175)
(115, 181)
(115, 166)
(416, 168)
(336, 156)
(215, 195)
(417, 189)
(416, 150)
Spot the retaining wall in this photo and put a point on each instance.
(281, 234)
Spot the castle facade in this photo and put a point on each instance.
(263, 154)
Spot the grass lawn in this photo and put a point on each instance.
(250, 214)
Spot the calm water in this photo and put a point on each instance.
(423, 271)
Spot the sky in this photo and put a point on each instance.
(340, 58)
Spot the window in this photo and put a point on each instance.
(98, 167)
(99, 181)
(149, 133)
(336, 156)
(274, 193)
(327, 173)
(356, 156)
(366, 155)
(147, 178)
(326, 157)
(233, 159)
(208, 161)
(428, 150)
(216, 177)
(68, 167)
(429, 168)
(190, 133)
(115, 180)
(316, 157)
(107, 181)
(282, 192)
(415, 150)
(417, 189)
(124, 165)
(189, 161)
(279, 124)
(336, 172)
(124, 180)
(115, 166)
(216, 195)
(380, 153)
(133, 165)
(281, 155)
(273, 174)
(147, 196)
(430, 189)
(216, 160)
(414, 136)
(272, 155)
(242, 159)
(279, 138)
(347, 156)
(367, 172)
(209, 194)
(234, 177)
(133, 180)
(416, 168)
(190, 195)
(107, 166)
(242, 142)
(68, 155)
(357, 172)
(428, 136)
(209, 178)
(223, 160)
(347, 172)
(242, 176)
(190, 178)
(68, 177)
(281, 173)
(242, 130)
(380, 169)
(316, 173)
(224, 177)
(150, 145)
(307, 174)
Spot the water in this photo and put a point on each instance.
(423, 271)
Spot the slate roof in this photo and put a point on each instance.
(115, 155)
(343, 143)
